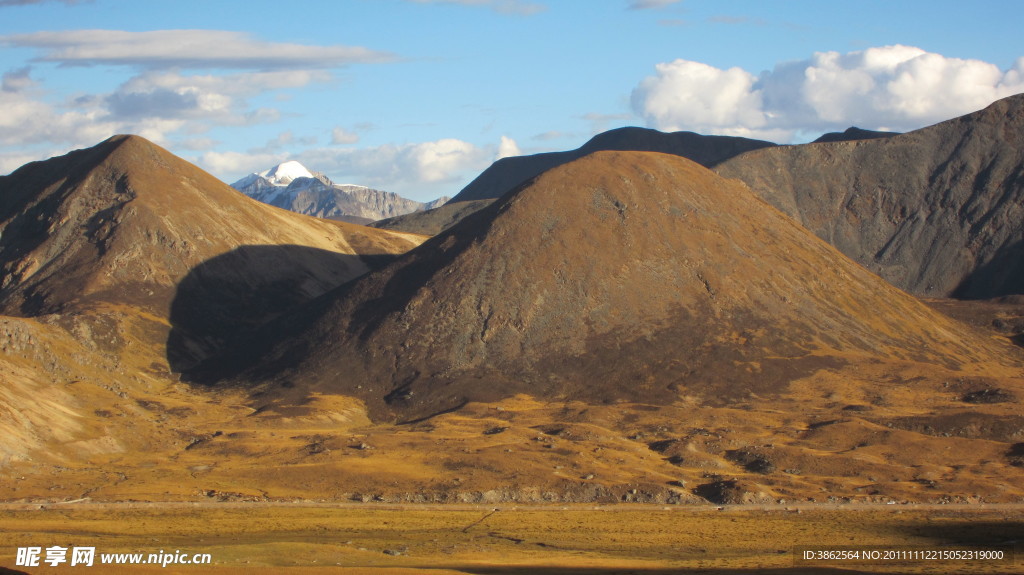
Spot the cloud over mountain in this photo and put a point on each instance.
(890, 87)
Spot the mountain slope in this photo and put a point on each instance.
(126, 264)
(936, 211)
(620, 276)
(126, 221)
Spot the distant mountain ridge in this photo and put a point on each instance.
(509, 173)
(293, 187)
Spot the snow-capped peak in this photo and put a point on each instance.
(283, 174)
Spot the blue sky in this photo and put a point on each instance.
(419, 96)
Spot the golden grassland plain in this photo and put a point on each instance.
(358, 538)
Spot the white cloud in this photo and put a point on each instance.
(507, 148)
(342, 137)
(388, 166)
(155, 104)
(190, 49)
(686, 95)
(12, 161)
(518, 7)
(895, 87)
(27, 121)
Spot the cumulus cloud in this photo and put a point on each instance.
(239, 163)
(423, 170)
(189, 49)
(27, 121)
(891, 87)
(507, 148)
(155, 104)
(692, 95)
(171, 90)
(217, 100)
(517, 7)
(393, 166)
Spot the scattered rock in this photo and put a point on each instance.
(724, 491)
(663, 445)
(751, 461)
(994, 395)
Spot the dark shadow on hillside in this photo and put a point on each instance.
(1002, 534)
(1002, 276)
(223, 301)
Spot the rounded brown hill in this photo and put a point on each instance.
(128, 228)
(622, 275)
(126, 220)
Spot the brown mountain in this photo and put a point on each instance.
(508, 173)
(122, 263)
(763, 365)
(126, 221)
(630, 276)
(936, 211)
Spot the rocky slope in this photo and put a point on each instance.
(936, 211)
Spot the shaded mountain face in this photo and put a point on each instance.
(936, 211)
(620, 276)
(124, 222)
(433, 221)
(293, 187)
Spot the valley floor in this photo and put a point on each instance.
(256, 538)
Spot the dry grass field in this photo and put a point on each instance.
(506, 540)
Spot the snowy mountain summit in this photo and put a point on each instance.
(292, 186)
(283, 174)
